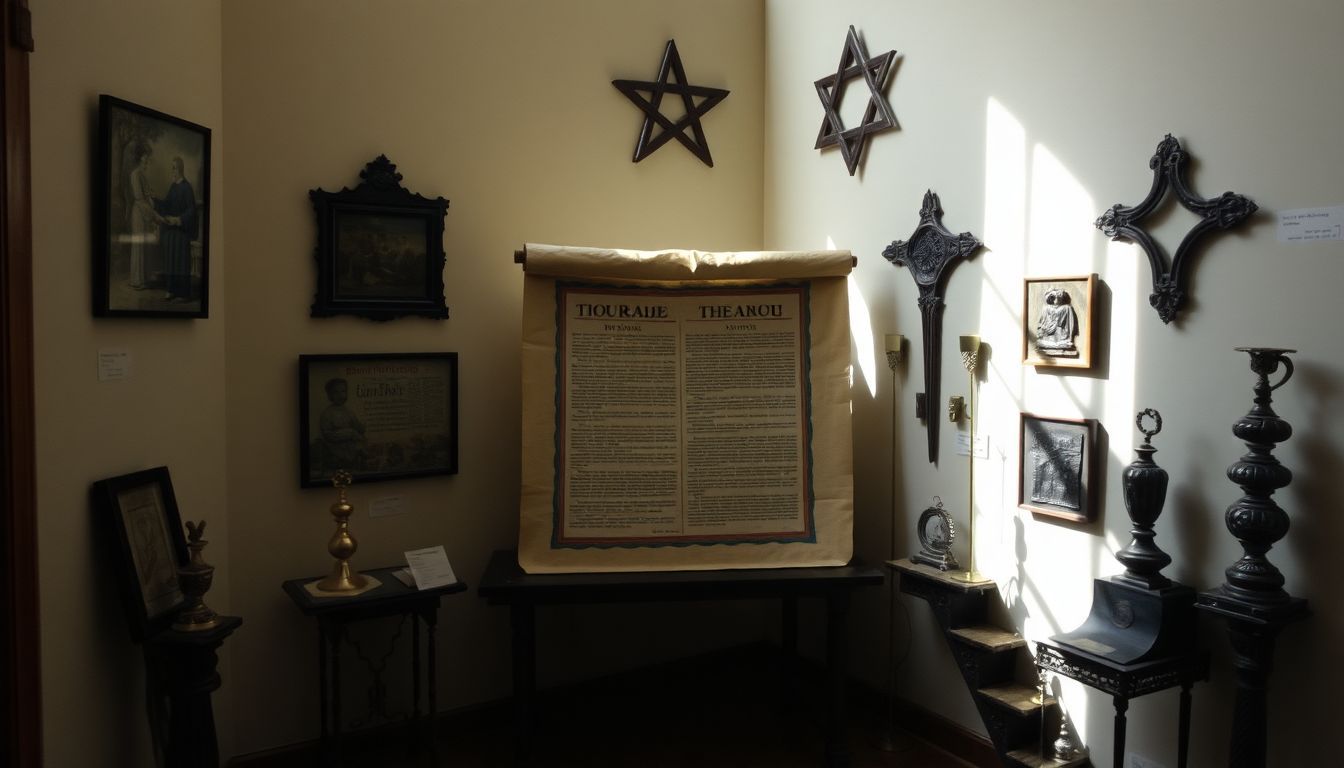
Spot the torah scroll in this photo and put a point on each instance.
(684, 410)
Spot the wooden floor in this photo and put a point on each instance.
(726, 711)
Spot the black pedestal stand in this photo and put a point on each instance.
(183, 670)
(1252, 600)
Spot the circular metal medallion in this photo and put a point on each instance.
(936, 531)
(1123, 615)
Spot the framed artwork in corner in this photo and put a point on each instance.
(140, 514)
(1057, 461)
(151, 253)
(377, 416)
(1059, 321)
(379, 249)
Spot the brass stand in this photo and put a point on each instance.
(970, 358)
(342, 545)
(195, 578)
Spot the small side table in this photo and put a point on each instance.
(185, 672)
(1128, 681)
(334, 614)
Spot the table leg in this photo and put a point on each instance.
(524, 676)
(432, 625)
(322, 693)
(417, 722)
(1183, 737)
(788, 657)
(837, 609)
(1118, 754)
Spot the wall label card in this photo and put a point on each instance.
(114, 364)
(1305, 225)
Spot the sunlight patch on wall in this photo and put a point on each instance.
(861, 331)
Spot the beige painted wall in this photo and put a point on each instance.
(165, 55)
(506, 109)
(1029, 123)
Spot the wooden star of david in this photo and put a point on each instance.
(1223, 212)
(671, 69)
(930, 254)
(877, 116)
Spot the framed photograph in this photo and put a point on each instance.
(151, 254)
(378, 416)
(379, 249)
(1057, 464)
(1058, 318)
(140, 513)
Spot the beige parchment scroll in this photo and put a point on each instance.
(701, 449)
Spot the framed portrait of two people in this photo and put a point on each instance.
(152, 214)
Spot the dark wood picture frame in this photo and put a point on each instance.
(379, 249)
(401, 421)
(151, 253)
(1064, 310)
(140, 512)
(1057, 467)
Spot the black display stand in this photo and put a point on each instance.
(183, 670)
(1128, 681)
(334, 614)
(504, 583)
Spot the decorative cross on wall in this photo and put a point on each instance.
(929, 254)
(1168, 165)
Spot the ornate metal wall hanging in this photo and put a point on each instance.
(877, 116)
(1168, 165)
(929, 254)
(671, 68)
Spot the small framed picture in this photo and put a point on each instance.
(1058, 321)
(379, 249)
(142, 512)
(152, 214)
(377, 416)
(1057, 461)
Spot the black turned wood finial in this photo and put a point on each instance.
(1145, 490)
(929, 254)
(1120, 222)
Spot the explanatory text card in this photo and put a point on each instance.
(682, 416)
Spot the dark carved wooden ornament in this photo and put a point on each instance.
(1223, 212)
(929, 254)
(709, 98)
(877, 116)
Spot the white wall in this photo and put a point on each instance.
(506, 109)
(165, 55)
(1029, 121)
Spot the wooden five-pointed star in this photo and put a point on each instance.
(670, 71)
(877, 116)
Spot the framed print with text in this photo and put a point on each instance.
(377, 416)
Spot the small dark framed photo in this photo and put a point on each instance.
(377, 416)
(151, 254)
(1059, 321)
(379, 249)
(140, 513)
(1057, 461)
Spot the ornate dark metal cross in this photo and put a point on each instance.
(1168, 165)
(709, 97)
(877, 116)
(929, 254)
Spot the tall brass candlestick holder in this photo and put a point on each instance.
(342, 544)
(970, 360)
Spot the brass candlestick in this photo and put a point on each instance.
(195, 578)
(342, 545)
(970, 359)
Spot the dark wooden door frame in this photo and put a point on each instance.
(20, 667)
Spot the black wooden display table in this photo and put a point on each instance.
(504, 583)
(1128, 681)
(334, 614)
(184, 671)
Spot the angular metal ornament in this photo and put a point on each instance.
(1223, 212)
(929, 254)
(877, 115)
(671, 80)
